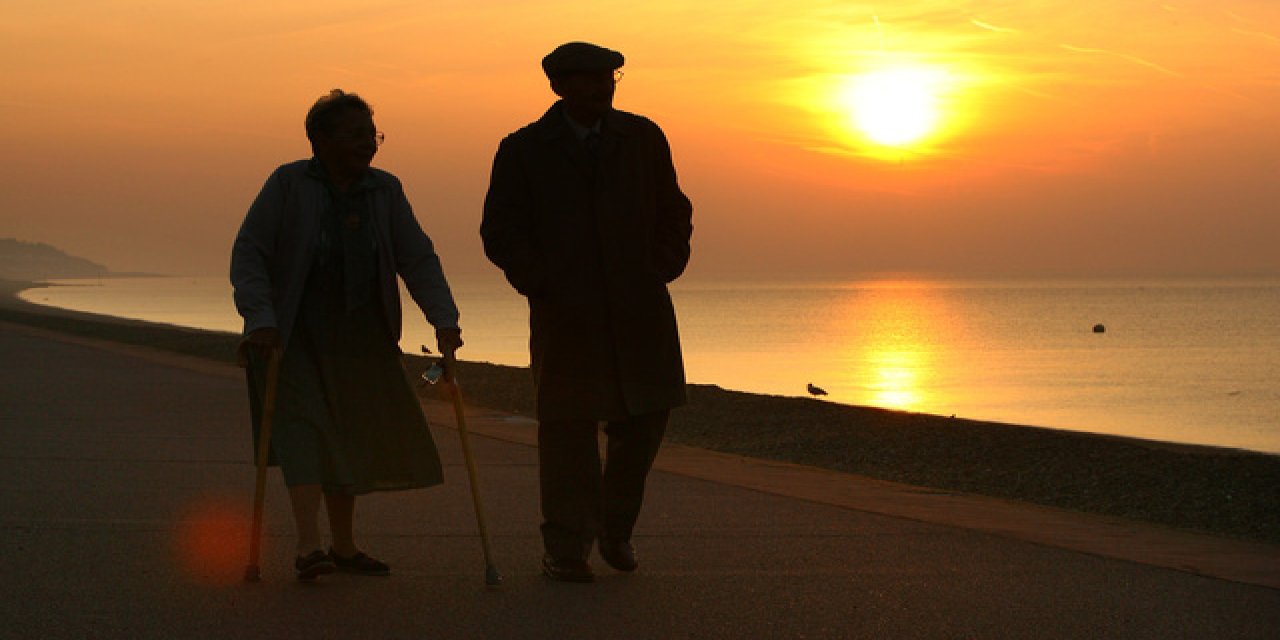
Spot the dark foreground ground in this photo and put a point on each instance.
(1219, 491)
(126, 482)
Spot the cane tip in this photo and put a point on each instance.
(492, 579)
(252, 574)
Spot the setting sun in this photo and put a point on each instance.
(894, 107)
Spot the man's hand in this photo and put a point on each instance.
(448, 340)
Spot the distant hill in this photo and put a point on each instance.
(37, 261)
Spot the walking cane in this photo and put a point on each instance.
(253, 572)
(492, 578)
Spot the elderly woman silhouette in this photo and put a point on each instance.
(314, 269)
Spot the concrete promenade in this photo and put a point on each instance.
(126, 481)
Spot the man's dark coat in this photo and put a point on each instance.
(592, 243)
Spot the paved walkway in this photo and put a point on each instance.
(125, 481)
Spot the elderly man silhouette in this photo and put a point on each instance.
(585, 217)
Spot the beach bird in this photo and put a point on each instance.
(816, 391)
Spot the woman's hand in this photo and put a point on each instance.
(262, 340)
(448, 340)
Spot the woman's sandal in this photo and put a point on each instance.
(314, 564)
(360, 564)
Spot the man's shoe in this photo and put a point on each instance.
(313, 565)
(620, 554)
(360, 564)
(567, 569)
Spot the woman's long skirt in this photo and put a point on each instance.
(346, 416)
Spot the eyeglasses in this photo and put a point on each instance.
(379, 138)
(593, 77)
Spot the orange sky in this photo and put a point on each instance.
(1078, 136)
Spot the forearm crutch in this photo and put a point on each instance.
(253, 572)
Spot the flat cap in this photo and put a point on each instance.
(580, 56)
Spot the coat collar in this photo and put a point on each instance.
(552, 125)
(553, 129)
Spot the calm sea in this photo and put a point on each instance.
(1181, 360)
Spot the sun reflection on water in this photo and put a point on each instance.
(892, 332)
(896, 384)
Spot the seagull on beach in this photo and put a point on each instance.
(816, 391)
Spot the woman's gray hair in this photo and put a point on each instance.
(326, 110)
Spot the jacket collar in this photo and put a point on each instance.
(370, 180)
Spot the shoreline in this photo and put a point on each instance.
(1221, 491)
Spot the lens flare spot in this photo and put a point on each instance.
(212, 541)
